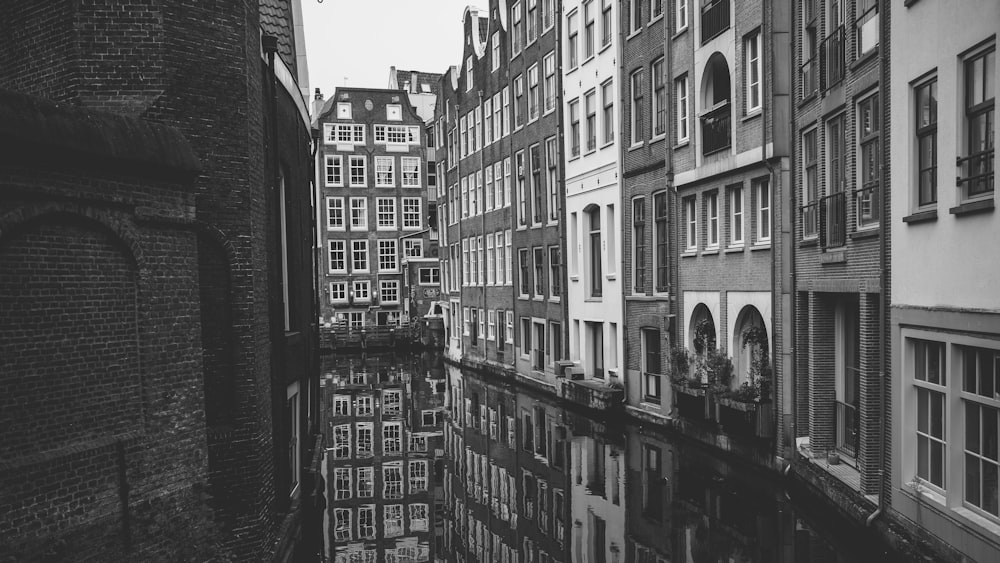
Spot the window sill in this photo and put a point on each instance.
(972, 207)
(682, 143)
(574, 278)
(921, 216)
(809, 98)
(908, 3)
(866, 233)
(587, 59)
(604, 48)
(555, 299)
(633, 33)
(635, 146)
(860, 61)
(734, 249)
(808, 242)
(689, 254)
(752, 115)
(593, 299)
(658, 138)
(611, 277)
(710, 252)
(677, 34)
(572, 70)
(762, 245)
(608, 144)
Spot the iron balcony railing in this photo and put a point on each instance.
(716, 129)
(714, 19)
(833, 219)
(833, 60)
(975, 172)
(810, 75)
(867, 204)
(846, 424)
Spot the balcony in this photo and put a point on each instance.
(714, 19)
(832, 58)
(833, 220)
(867, 204)
(846, 425)
(716, 130)
(810, 76)
(976, 173)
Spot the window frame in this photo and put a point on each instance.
(682, 109)
(334, 170)
(926, 130)
(753, 70)
(636, 136)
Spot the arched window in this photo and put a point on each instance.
(716, 93)
(701, 332)
(751, 345)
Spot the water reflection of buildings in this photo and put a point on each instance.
(383, 419)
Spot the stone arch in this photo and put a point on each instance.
(701, 339)
(716, 82)
(744, 349)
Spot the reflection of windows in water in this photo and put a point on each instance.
(418, 476)
(364, 405)
(392, 400)
(392, 438)
(366, 482)
(342, 441)
(393, 520)
(365, 438)
(342, 483)
(418, 443)
(366, 523)
(392, 481)
(342, 527)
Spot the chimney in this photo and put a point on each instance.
(414, 87)
(317, 103)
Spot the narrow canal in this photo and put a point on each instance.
(425, 462)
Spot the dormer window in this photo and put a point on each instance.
(394, 112)
(343, 110)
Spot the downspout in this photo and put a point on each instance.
(622, 201)
(883, 59)
(668, 56)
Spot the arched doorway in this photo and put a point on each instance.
(751, 345)
(716, 93)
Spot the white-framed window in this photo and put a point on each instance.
(589, 30)
(681, 15)
(500, 278)
(387, 256)
(590, 107)
(385, 213)
(658, 85)
(548, 15)
(393, 518)
(397, 134)
(635, 94)
(365, 449)
(392, 402)
(510, 327)
(491, 202)
(412, 218)
(712, 202)
(549, 85)
(385, 171)
(418, 476)
(469, 75)
(413, 248)
(978, 125)
(691, 220)
(639, 244)
(341, 405)
(506, 110)
(495, 43)
(366, 522)
(555, 272)
(681, 88)
(366, 482)
(411, 171)
(574, 128)
(362, 290)
(359, 171)
(342, 485)
(573, 32)
(534, 102)
(519, 103)
(752, 72)
(736, 215)
(762, 211)
(359, 214)
(338, 292)
(487, 121)
(551, 177)
(355, 319)
(363, 405)
(607, 24)
(517, 29)
(335, 214)
(868, 159)
(342, 524)
(345, 133)
(359, 255)
(608, 115)
(418, 520)
(388, 291)
(392, 480)
(466, 320)
(531, 30)
(337, 256)
(635, 19)
(509, 257)
(491, 325)
(344, 110)
(342, 441)
(497, 117)
(334, 170)
(392, 439)
(490, 260)
(429, 276)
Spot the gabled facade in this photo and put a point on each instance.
(591, 89)
(373, 177)
(945, 317)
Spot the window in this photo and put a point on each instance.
(762, 201)
(982, 427)
(639, 244)
(411, 213)
(355, 319)
(385, 212)
(469, 76)
(496, 51)
(524, 284)
(342, 483)
(491, 325)
(392, 437)
(488, 121)
(366, 522)
(392, 480)
(518, 102)
(606, 23)
(364, 405)
(334, 170)
(501, 279)
(359, 255)
(335, 213)
(341, 405)
(413, 248)
(976, 170)
(551, 162)
(594, 225)
(385, 171)
(533, 95)
(393, 520)
(344, 133)
(343, 110)
(712, 202)
(466, 320)
(490, 260)
(394, 112)
(571, 48)
(636, 97)
(359, 213)
(636, 19)
(366, 482)
(522, 196)
(411, 172)
(418, 523)
(574, 128)
(342, 441)
(662, 255)
(362, 290)
(525, 339)
(359, 171)
(418, 476)
(752, 72)
(608, 120)
(590, 103)
(338, 260)
(555, 272)
(929, 380)
(510, 327)
(866, 26)
(509, 258)
(659, 99)
(926, 129)
(532, 17)
(548, 14)
(387, 255)
(651, 364)
(691, 234)
(539, 263)
(655, 9)
(429, 276)
(342, 524)
(397, 134)
(736, 215)
(681, 85)
(549, 86)
(588, 29)
(867, 195)
(338, 292)
(810, 185)
(506, 110)
(389, 291)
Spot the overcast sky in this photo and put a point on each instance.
(356, 41)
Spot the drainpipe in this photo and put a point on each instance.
(668, 56)
(883, 58)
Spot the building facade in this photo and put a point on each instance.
(945, 318)
(134, 260)
(373, 172)
(590, 55)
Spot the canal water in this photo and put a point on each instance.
(425, 462)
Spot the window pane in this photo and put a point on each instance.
(972, 475)
(923, 457)
(972, 427)
(990, 433)
(937, 463)
(937, 414)
(990, 488)
(922, 410)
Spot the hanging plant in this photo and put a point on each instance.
(758, 385)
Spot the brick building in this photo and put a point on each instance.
(157, 336)
(839, 116)
(374, 190)
(501, 200)
(944, 334)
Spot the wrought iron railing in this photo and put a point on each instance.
(867, 204)
(716, 129)
(833, 59)
(847, 428)
(833, 219)
(714, 19)
(976, 172)
(810, 76)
